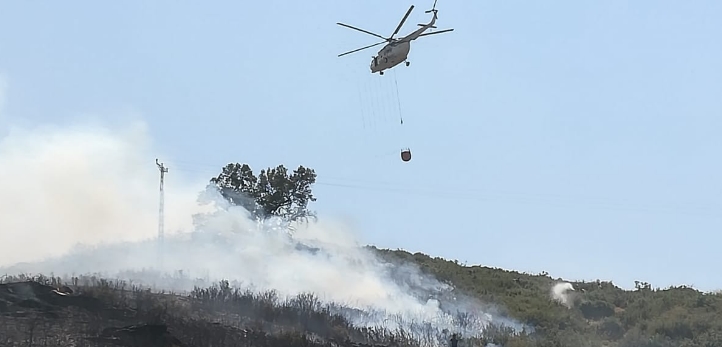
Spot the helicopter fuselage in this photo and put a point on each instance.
(391, 55)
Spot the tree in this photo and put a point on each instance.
(272, 193)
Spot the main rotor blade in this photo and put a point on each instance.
(437, 32)
(362, 48)
(403, 20)
(361, 30)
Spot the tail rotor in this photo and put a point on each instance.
(433, 9)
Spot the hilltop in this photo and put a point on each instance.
(89, 311)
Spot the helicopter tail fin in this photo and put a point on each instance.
(433, 8)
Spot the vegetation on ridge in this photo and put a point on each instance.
(601, 314)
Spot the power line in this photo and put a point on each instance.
(490, 195)
(530, 200)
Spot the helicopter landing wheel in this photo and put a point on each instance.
(381, 73)
(408, 63)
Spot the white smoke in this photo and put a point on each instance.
(561, 293)
(82, 184)
(84, 199)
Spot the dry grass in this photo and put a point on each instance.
(103, 312)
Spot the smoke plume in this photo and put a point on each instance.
(561, 293)
(80, 185)
(84, 199)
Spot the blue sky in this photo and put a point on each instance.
(578, 138)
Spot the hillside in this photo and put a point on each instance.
(98, 312)
(600, 314)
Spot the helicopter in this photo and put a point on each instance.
(397, 49)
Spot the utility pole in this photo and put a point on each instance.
(161, 209)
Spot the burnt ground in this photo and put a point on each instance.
(34, 314)
(45, 312)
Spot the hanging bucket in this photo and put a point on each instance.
(406, 155)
